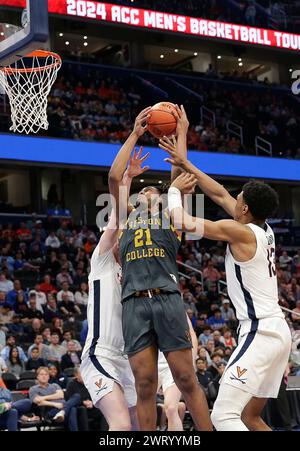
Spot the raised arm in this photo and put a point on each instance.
(225, 230)
(134, 169)
(214, 190)
(181, 143)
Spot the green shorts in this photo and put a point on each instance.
(160, 319)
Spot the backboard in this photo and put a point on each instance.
(31, 33)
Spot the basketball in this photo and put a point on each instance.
(162, 121)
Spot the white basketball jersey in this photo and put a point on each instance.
(252, 285)
(104, 310)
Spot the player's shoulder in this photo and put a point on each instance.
(100, 260)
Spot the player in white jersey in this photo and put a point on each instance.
(172, 394)
(105, 369)
(255, 369)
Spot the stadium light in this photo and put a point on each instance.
(162, 56)
(61, 35)
(195, 54)
(67, 42)
(85, 37)
(142, 180)
(160, 182)
(290, 70)
(176, 50)
(239, 59)
(86, 44)
(219, 57)
(240, 64)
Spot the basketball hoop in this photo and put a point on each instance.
(28, 82)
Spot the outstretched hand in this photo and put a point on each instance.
(140, 125)
(185, 183)
(135, 168)
(169, 145)
(182, 120)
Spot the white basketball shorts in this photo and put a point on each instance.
(258, 363)
(101, 372)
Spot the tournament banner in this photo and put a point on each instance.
(136, 17)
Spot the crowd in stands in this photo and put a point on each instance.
(102, 108)
(43, 297)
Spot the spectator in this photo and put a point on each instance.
(51, 309)
(216, 321)
(76, 386)
(64, 277)
(6, 316)
(217, 337)
(227, 353)
(193, 263)
(47, 287)
(284, 260)
(2, 338)
(5, 284)
(206, 335)
(211, 274)
(11, 412)
(33, 311)
(71, 358)
(16, 328)
(23, 233)
(66, 292)
(2, 298)
(68, 336)
(14, 364)
(53, 264)
(43, 348)
(35, 361)
(3, 366)
(188, 301)
(58, 327)
(228, 312)
(10, 343)
(56, 377)
(228, 339)
(52, 241)
(46, 336)
(213, 368)
(56, 351)
(40, 297)
(20, 306)
(204, 376)
(50, 398)
(82, 295)
(12, 295)
(67, 307)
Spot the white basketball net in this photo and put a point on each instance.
(28, 85)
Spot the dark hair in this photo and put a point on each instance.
(18, 360)
(202, 360)
(55, 333)
(261, 199)
(163, 188)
